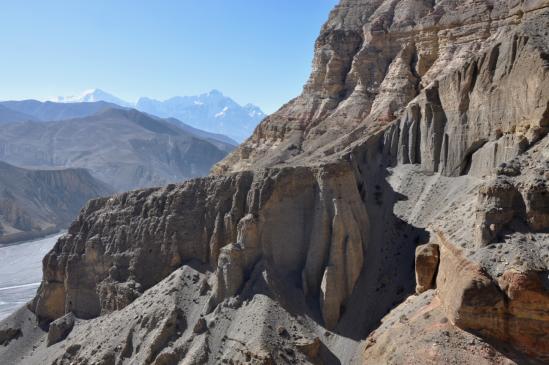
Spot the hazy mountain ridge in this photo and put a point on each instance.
(148, 151)
(122, 147)
(211, 111)
(48, 111)
(51, 111)
(10, 115)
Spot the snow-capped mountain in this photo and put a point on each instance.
(90, 96)
(211, 112)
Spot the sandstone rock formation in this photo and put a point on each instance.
(423, 122)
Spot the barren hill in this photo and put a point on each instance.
(126, 149)
(34, 203)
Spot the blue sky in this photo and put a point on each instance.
(257, 51)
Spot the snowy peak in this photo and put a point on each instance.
(222, 113)
(90, 96)
(254, 111)
(211, 111)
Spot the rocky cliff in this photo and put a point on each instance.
(395, 212)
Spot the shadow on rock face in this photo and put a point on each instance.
(387, 277)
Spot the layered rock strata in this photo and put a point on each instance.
(423, 123)
(295, 219)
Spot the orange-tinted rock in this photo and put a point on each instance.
(515, 309)
(470, 298)
(418, 332)
(527, 311)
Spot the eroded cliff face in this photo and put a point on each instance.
(420, 141)
(478, 64)
(297, 220)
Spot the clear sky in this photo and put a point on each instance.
(257, 51)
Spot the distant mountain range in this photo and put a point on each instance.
(124, 148)
(33, 110)
(37, 111)
(70, 152)
(7, 114)
(34, 203)
(212, 112)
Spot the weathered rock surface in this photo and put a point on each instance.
(422, 122)
(418, 332)
(306, 227)
(499, 204)
(455, 74)
(510, 309)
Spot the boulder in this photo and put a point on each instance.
(60, 329)
(200, 326)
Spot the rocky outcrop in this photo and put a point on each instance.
(94, 269)
(418, 331)
(467, 73)
(427, 260)
(499, 203)
(511, 309)
(295, 219)
(466, 122)
(60, 329)
(511, 204)
(537, 204)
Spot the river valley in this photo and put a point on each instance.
(21, 272)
